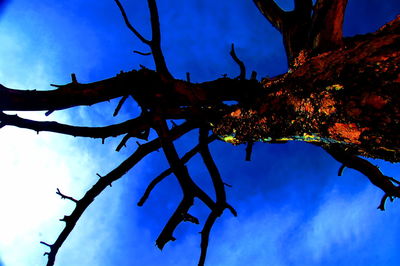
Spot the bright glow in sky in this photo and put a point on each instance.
(293, 209)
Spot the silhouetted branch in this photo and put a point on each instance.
(137, 125)
(141, 53)
(144, 86)
(155, 42)
(383, 201)
(185, 158)
(340, 172)
(219, 188)
(249, 150)
(242, 74)
(205, 234)
(66, 197)
(368, 169)
(211, 167)
(105, 181)
(123, 142)
(120, 103)
(129, 25)
(189, 188)
(155, 45)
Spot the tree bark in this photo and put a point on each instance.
(348, 96)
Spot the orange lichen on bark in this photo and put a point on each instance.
(301, 105)
(300, 59)
(347, 132)
(327, 105)
(236, 113)
(376, 101)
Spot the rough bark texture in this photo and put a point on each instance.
(348, 96)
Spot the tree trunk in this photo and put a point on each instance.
(349, 96)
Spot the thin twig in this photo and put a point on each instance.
(242, 74)
(141, 53)
(66, 197)
(249, 150)
(340, 172)
(129, 25)
(120, 103)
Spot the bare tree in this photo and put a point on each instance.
(339, 94)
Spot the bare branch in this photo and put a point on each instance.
(340, 172)
(70, 95)
(212, 167)
(189, 188)
(383, 201)
(272, 12)
(219, 187)
(242, 74)
(144, 85)
(66, 197)
(129, 25)
(120, 103)
(123, 142)
(105, 181)
(249, 150)
(141, 53)
(155, 44)
(205, 233)
(368, 169)
(185, 158)
(136, 125)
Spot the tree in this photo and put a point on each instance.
(342, 113)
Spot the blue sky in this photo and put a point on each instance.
(293, 208)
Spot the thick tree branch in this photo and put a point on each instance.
(145, 86)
